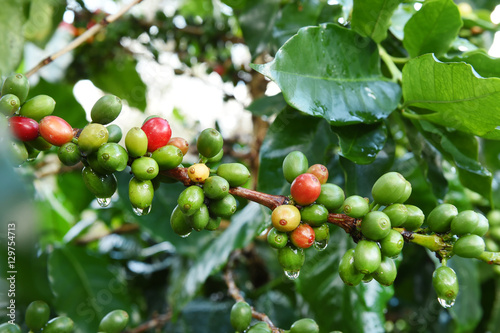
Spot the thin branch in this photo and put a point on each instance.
(83, 37)
(157, 321)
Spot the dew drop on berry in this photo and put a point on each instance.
(103, 202)
(292, 275)
(321, 245)
(141, 211)
(446, 303)
(185, 235)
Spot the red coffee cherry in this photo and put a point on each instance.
(23, 128)
(55, 130)
(158, 133)
(303, 236)
(320, 171)
(305, 189)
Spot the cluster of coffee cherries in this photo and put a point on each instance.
(203, 204)
(241, 317)
(37, 318)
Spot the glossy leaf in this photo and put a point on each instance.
(267, 105)
(341, 84)
(44, 17)
(433, 28)
(361, 143)
(372, 18)
(12, 42)
(457, 96)
(483, 64)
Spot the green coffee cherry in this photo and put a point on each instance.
(224, 207)
(347, 272)
(199, 220)
(375, 225)
(38, 107)
(355, 206)
(114, 133)
(392, 244)
(415, 218)
(482, 226)
(235, 173)
(439, 219)
(93, 162)
(114, 322)
(217, 158)
(260, 327)
(9, 104)
(277, 239)
(37, 315)
(241, 316)
(9, 328)
(112, 157)
(92, 137)
(167, 157)
(32, 153)
(464, 223)
(291, 259)
(136, 142)
(209, 142)
(331, 196)
(140, 193)
(145, 168)
(445, 282)
(18, 152)
(69, 154)
(40, 144)
(389, 188)
(304, 325)
(314, 215)
(406, 194)
(398, 213)
(213, 223)
(216, 187)
(469, 246)
(386, 273)
(493, 217)
(60, 324)
(102, 186)
(106, 109)
(16, 84)
(321, 233)
(294, 164)
(367, 256)
(190, 200)
(179, 223)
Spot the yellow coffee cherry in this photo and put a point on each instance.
(285, 218)
(198, 172)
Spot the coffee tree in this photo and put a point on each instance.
(366, 200)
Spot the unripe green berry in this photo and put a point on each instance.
(367, 256)
(375, 225)
(464, 223)
(469, 246)
(439, 219)
(294, 164)
(355, 206)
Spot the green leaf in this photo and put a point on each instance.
(372, 18)
(12, 40)
(483, 64)
(341, 84)
(75, 193)
(267, 105)
(86, 287)
(433, 28)
(291, 131)
(361, 143)
(44, 17)
(399, 19)
(457, 96)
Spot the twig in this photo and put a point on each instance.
(83, 37)
(154, 322)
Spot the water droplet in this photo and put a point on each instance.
(31, 159)
(103, 202)
(141, 211)
(445, 303)
(321, 245)
(292, 275)
(186, 235)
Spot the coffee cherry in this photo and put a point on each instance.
(355, 206)
(94, 164)
(69, 154)
(106, 109)
(112, 157)
(224, 207)
(260, 327)
(9, 104)
(168, 157)
(215, 187)
(40, 143)
(347, 272)
(136, 142)
(114, 133)
(314, 215)
(375, 225)
(302, 236)
(140, 193)
(397, 213)
(389, 188)
(285, 218)
(445, 282)
(493, 217)
(291, 258)
(209, 142)
(213, 223)
(235, 173)
(277, 239)
(37, 315)
(482, 226)
(10, 328)
(241, 316)
(55, 130)
(305, 189)
(406, 194)
(331, 196)
(199, 220)
(145, 168)
(305, 325)
(217, 158)
(294, 164)
(464, 223)
(114, 322)
(392, 244)
(439, 219)
(386, 273)
(23, 128)
(102, 186)
(92, 137)
(18, 152)
(322, 233)
(38, 107)
(179, 223)
(16, 84)
(469, 246)
(367, 256)
(180, 143)
(60, 324)
(190, 200)
(158, 132)
(415, 218)
(198, 172)
(320, 171)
